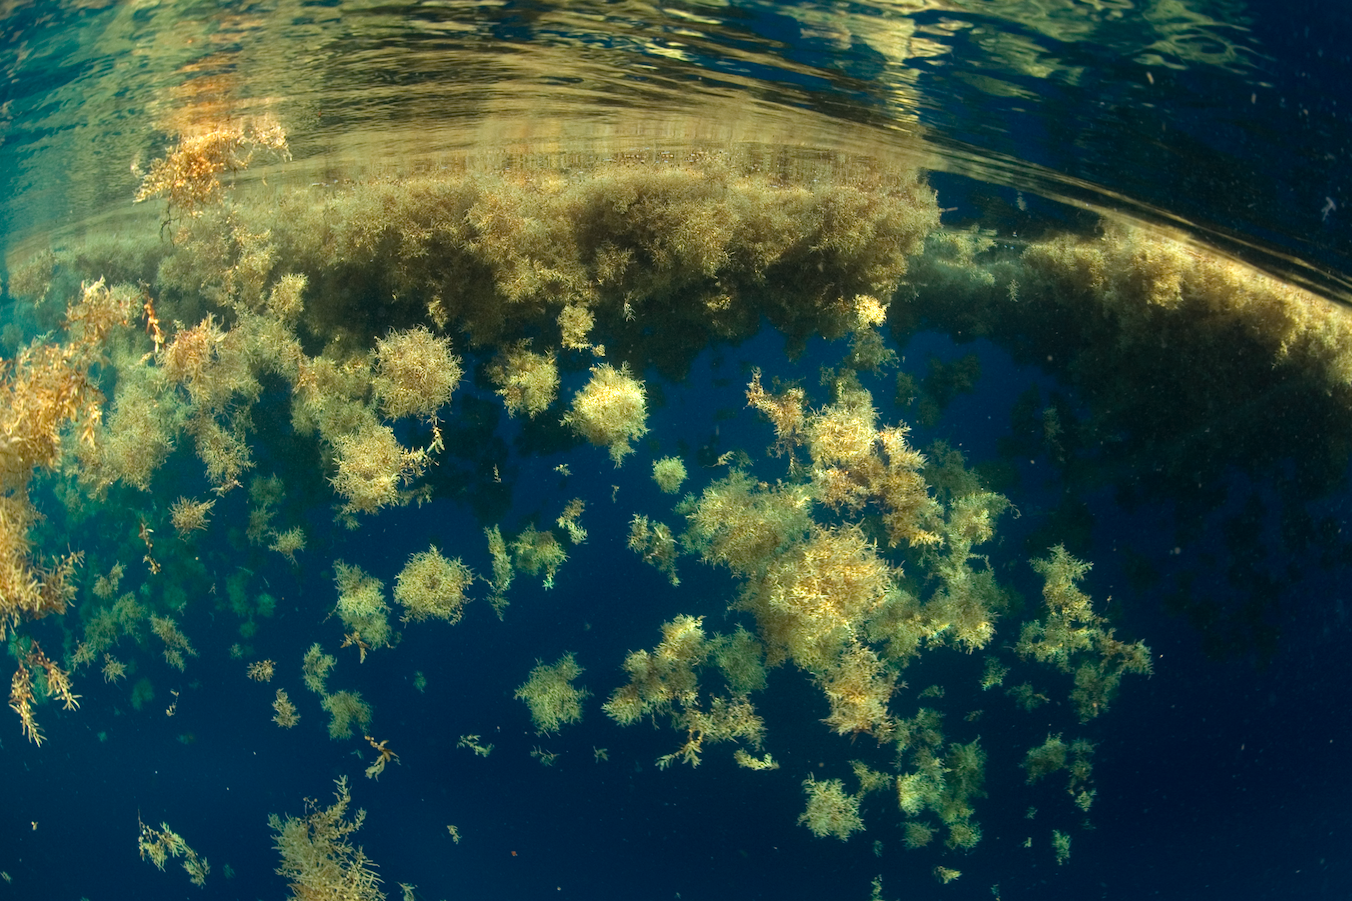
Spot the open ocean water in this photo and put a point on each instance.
(1001, 349)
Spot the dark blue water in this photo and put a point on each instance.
(1215, 776)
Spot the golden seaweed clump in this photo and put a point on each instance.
(330, 396)
(346, 709)
(993, 673)
(575, 325)
(964, 777)
(527, 382)
(47, 392)
(48, 385)
(361, 605)
(106, 586)
(854, 464)
(1080, 786)
(743, 524)
(535, 551)
(432, 587)
(265, 493)
(943, 780)
(261, 670)
(568, 521)
(843, 433)
(105, 626)
(473, 743)
(190, 174)
(384, 754)
(370, 467)
(415, 373)
(741, 659)
(918, 834)
(858, 687)
(725, 719)
(669, 474)
(830, 811)
(813, 600)
(1045, 759)
(284, 712)
(964, 610)
(29, 591)
(113, 669)
(664, 678)
(190, 516)
(289, 543)
(190, 356)
(318, 859)
(1146, 282)
(610, 410)
(747, 762)
(551, 696)
(286, 300)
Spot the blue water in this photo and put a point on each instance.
(1214, 778)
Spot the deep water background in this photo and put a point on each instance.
(1214, 777)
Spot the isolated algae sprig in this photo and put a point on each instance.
(284, 712)
(159, 845)
(656, 544)
(1075, 639)
(504, 572)
(52, 681)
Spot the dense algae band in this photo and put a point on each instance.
(853, 552)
